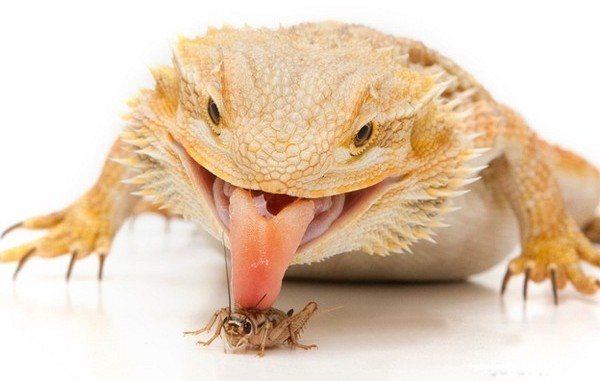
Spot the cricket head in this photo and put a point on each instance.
(296, 145)
(237, 329)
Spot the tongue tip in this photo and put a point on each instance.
(255, 300)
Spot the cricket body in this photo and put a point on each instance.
(333, 151)
(257, 329)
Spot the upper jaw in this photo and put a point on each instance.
(328, 178)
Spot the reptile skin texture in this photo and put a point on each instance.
(447, 183)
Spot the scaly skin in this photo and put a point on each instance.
(291, 102)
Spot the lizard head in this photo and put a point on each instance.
(299, 144)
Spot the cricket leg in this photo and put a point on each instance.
(216, 334)
(296, 344)
(241, 344)
(298, 321)
(263, 342)
(293, 323)
(219, 314)
(87, 226)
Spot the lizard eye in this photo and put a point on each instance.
(247, 327)
(213, 112)
(362, 136)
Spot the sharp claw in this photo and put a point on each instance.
(554, 286)
(71, 265)
(22, 262)
(507, 277)
(11, 228)
(101, 259)
(526, 283)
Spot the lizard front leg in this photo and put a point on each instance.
(87, 226)
(552, 243)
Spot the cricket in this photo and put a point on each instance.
(256, 329)
(251, 328)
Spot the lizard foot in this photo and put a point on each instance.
(592, 230)
(557, 259)
(78, 230)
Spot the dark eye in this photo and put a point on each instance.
(213, 112)
(363, 135)
(247, 327)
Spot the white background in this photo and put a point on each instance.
(66, 69)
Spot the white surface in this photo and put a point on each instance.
(130, 326)
(67, 68)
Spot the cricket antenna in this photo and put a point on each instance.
(260, 301)
(227, 272)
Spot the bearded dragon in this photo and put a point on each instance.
(334, 151)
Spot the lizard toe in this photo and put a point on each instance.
(77, 231)
(558, 260)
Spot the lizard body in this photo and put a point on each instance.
(343, 152)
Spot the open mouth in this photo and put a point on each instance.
(324, 211)
(267, 230)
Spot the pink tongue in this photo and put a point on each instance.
(262, 248)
